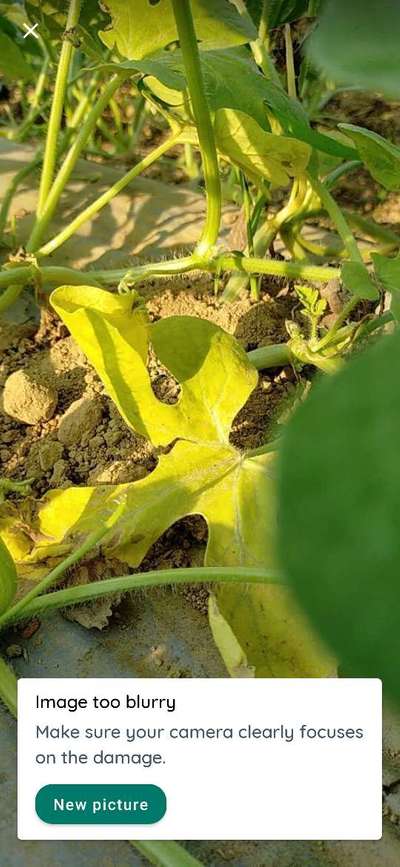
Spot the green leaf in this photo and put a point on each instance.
(202, 473)
(357, 43)
(8, 578)
(357, 280)
(284, 11)
(294, 121)
(380, 156)
(12, 61)
(388, 273)
(52, 15)
(258, 153)
(339, 511)
(140, 28)
(231, 79)
(278, 12)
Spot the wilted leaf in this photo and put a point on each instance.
(140, 28)
(201, 474)
(380, 156)
(356, 279)
(8, 578)
(339, 512)
(388, 272)
(215, 377)
(258, 153)
(357, 43)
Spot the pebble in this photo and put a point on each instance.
(80, 419)
(27, 400)
(49, 453)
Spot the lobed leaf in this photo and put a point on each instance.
(215, 377)
(140, 28)
(258, 153)
(339, 517)
(202, 473)
(380, 156)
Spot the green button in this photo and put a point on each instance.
(101, 805)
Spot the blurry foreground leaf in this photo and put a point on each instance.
(357, 43)
(339, 512)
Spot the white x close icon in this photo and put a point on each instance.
(31, 31)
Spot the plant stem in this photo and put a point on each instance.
(70, 162)
(13, 187)
(165, 853)
(201, 113)
(8, 687)
(247, 207)
(290, 70)
(9, 296)
(58, 275)
(157, 578)
(337, 218)
(104, 199)
(276, 355)
(50, 154)
(291, 270)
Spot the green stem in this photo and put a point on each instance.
(201, 113)
(260, 46)
(165, 853)
(276, 355)
(13, 187)
(277, 268)
(247, 206)
(157, 578)
(290, 70)
(8, 687)
(50, 154)
(9, 296)
(337, 218)
(70, 161)
(58, 276)
(104, 199)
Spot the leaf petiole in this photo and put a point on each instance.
(157, 578)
